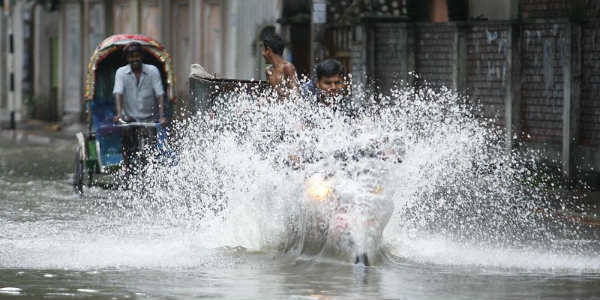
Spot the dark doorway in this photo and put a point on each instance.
(296, 22)
(300, 48)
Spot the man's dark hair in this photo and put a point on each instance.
(330, 67)
(132, 47)
(274, 42)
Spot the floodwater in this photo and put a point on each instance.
(160, 244)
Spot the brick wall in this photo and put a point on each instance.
(358, 55)
(544, 8)
(392, 44)
(592, 9)
(487, 66)
(434, 53)
(590, 85)
(542, 81)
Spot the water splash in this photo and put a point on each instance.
(423, 158)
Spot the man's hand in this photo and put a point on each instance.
(162, 121)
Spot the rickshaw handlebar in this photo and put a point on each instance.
(137, 124)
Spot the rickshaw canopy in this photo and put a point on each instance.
(118, 41)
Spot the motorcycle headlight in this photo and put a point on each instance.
(318, 189)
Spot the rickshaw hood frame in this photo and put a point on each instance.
(114, 43)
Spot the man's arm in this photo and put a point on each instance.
(118, 92)
(118, 100)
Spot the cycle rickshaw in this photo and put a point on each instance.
(99, 149)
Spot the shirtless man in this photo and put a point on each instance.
(281, 74)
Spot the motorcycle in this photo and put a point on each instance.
(342, 218)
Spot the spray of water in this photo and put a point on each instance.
(412, 170)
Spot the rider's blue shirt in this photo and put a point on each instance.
(139, 98)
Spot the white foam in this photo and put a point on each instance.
(438, 250)
(10, 291)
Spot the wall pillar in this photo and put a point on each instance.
(570, 47)
(359, 49)
(390, 51)
(72, 75)
(318, 32)
(459, 73)
(196, 33)
(3, 69)
(230, 19)
(15, 61)
(512, 87)
(44, 30)
(165, 23)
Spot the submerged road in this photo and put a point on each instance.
(56, 245)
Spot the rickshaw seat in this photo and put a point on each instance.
(107, 134)
(102, 117)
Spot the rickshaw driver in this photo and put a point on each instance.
(138, 91)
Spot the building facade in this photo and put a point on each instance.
(54, 39)
(532, 64)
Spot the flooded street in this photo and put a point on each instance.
(57, 245)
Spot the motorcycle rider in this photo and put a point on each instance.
(330, 88)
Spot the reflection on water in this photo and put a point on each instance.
(232, 218)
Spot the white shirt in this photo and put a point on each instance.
(139, 98)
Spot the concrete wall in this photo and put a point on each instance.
(45, 29)
(244, 21)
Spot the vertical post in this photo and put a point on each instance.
(196, 33)
(459, 71)
(137, 16)
(370, 30)
(71, 67)
(318, 31)
(165, 23)
(512, 86)
(570, 46)
(3, 70)
(229, 21)
(108, 17)
(60, 102)
(359, 53)
(411, 48)
(16, 59)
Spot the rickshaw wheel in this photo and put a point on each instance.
(78, 173)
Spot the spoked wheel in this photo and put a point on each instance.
(78, 173)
